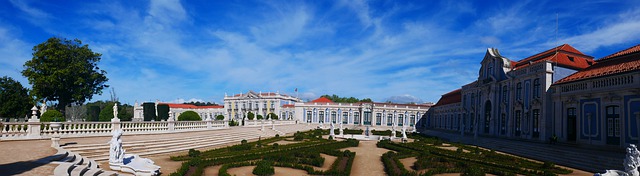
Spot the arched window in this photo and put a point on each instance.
(345, 117)
(321, 116)
(378, 118)
(333, 116)
(390, 119)
(356, 118)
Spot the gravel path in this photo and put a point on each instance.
(367, 161)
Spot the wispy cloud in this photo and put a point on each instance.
(172, 50)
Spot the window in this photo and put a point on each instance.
(345, 117)
(321, 116)
(273, 105)
(613, 121)
(389, 119)
(536, 88)
(504, 94)
(412, 120)
(308, 116)
(378, 118)
(570, 58)
(333, 116)
(519, 91)
(400, 119)
(356, 118)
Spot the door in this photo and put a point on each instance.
(613, 125)
(571, 124)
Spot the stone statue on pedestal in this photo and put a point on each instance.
(115, 110)
(130, 163)
(43, 109)
(116, 153)
(331, 131)
(631, 164)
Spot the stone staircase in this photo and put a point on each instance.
(155, 144)
(70, 163)
(591, 160)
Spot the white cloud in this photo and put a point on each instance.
(404, 99)
(618, 31)
(33, 12)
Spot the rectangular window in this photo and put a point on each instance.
(345, 117)
(389, 119)
(536, 88)
(536, 123)
(400, 119)
(308, 116)
(333, 117)
(321, 116)
(356, 118)
(413, 120)
(378, 118)
(504, 94)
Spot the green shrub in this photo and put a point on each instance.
(250, 115)
(259, 117)
(189, 116)
(233, 123)
(277, 135)
(273, 116)
(106, 114)
(298, 137)
(244, 141)
(275, 145)
(264, 167)
(194, 153)
(52, 116)
(473, 171)
(219, 117)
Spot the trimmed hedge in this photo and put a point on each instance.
(52, 116)
(189, 116)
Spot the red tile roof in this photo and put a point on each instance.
(289, 106)
(322, 100)
(619, 62)
(561, 57)
(631, 50)
(190, 106)
(450, 98)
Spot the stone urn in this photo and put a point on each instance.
(55, 138)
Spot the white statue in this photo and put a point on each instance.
(43, 109)
(115, 110)
(331, 133)
(116, 153)
(631, 164)
(131, 163)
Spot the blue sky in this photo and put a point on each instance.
(401, 50)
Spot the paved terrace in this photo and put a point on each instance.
(31, 157)
(590, 159)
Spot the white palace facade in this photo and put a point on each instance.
(558, 94)
(319, 111)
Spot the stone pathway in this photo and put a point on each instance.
(19, 157)
(367, 161)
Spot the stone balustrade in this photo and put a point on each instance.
(45, 130)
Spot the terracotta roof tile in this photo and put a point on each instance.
(322, 100)
(450, 98)
(567, 56)
(289, 106)
(630, 50)
(619, 62)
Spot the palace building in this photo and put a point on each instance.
(325, 111)
(559, 93)
(239, 105)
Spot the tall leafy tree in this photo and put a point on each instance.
(14, 99)
(65, 71)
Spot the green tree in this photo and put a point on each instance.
(14, 99)
(52, 116)
(189, 116)
(338, 99)
(106, 114)
(250, 116)
(219, 117)
(273, 116)
(259, 117)
(65, 71)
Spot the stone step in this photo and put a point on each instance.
(160, 147)
(134, 144)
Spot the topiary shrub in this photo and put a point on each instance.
(264, 167)
(250, 115)
(273, 116)
(260, 117)
(244, 141)
(189, 116)
(219, 117)
(275, 145)
(52, 116)
(298, 137)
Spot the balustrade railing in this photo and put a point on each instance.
(43, 130)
